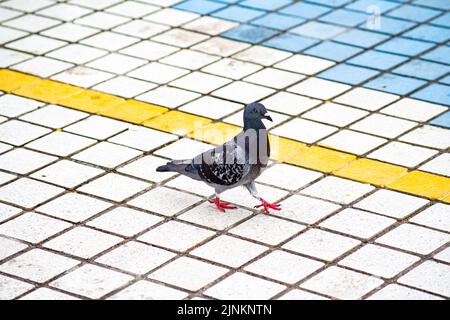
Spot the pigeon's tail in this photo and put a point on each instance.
(172, 167)
(184, 167)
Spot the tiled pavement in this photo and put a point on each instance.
(83, 214)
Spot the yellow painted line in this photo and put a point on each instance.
(341, 164)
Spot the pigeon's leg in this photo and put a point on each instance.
(221, 205)
(251, 187)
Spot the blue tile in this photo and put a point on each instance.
(390, 26)
(238, 14)
(443, 21)
(429, 33)
(438, 4)
(414, 13)
(333, 51)
(331, 3)
(344, 17)
(265, 5)
(348, 74)
(422, 69)
(445, 80)
(363, 5)
(278, 21)
(440, 54)
(305, 10)
(436, 92)
(377, 60)
(360, 38)
(443, 120)
(249, 34)
(318, 30)
(200, 6)
(290, 42)
(404, 46)
(394, 84)
(226, 1)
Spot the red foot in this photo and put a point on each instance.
(221, 205)
(268, 206)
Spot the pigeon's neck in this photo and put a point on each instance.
(255, 124)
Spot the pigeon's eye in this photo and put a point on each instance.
(255, 111)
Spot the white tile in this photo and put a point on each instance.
(176, 236)
(210, 107)
(97, 5)
(439, 165)
(296, 294)
(220, 46)
(149, 50)
(10, 57)
(397, 292)
(341, 283)
(82, 76)
(142, 138)
(200, 82)
(135, 257)
(189, 59)
(162, 3)
(26, 5)
(42, 66)
(262, 55)
(145, 290)
(98, 127)
(180, 38)
(196, 274)
(289, 103)
(5, 147)
(91, 281)
(101, 20)
(158, 73)
(379, 261)
(9, 247)
(414, 238)
(304, 130)
(113, 186)
(428, 136)
(241, 286)
(7, 211)
(242, 197)
(319, 88)
(125, 87)
(243, 92)
(413, 109)
(232, 68)
(36, 44)
(54, 116)
(47, 294)
(31, 23)
(145, 168)
(34, 265)
(168, 96)
(183, 149)
(267, 229)
(274, 78)
(9, 34)
(164, 201)
(321, 244)
(430, 276)
(107, 154)
(305, 209)
(305, 64)
(285, 267)
(32, 227)
(70, 32)
(194, 186)
(385, 126)
(366, 98)
(6, 14)
(171, 17)
(132, 9)
(12, 288)
(403, 154)
(276, 176)
(209, 25)
(352, 141)
(110, 41)
(60, 143)
(24, 161)
(141, 29)
(77, 53)
(116, 63)
(444, 255)
(124, 221)
(73, 207)
(391, 203)
(18, 133)
(203, 215)
(82, 242)
(63, 11)
(357, 223)
(6, 177)
(335, 114)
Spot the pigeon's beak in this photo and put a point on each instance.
(266, 116)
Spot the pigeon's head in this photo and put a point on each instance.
(256, 111)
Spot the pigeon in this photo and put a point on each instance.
(237, 162)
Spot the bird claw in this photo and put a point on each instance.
(221, 205)
(268, 206)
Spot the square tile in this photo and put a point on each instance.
(262, 55)
(377, 60)
(277, 174)
(107, 154)
(145, 168)
(146, 290)
(428, 136)
(42, 66)
(184, 183)
(141, 138)
(443, 120)
(10, 247)
(47, 294)
(200, 82)
(176, 236)
(149, 50)
(117, 63)
(357, 223)
(24, 161)
(132, 9)
(7, 211)
(367, 99)
(110, 41)
(290, 42)
(250, 34)
(63, 11)
(171, 17)
(74, 207)
(200, 7)
(180, 38)
(77, 53)
(321, 244)
(333, 51)
(398, 292)
(125, 87)
(220, 46)
(82, 242)
(60, 143)
(82, 77)
(168, 97)
(437, 93)
(304, 64)
(54, 116)
(243, 92)
(97, 5)
(98, 127)
(158, 73)
(141, 29)
(211, 107)
(101, 20)
(304, 130)
(13, 287)
(360, 38)
(402, 46)
(348, 74)
(31, 23)
(436, 216)
(274, 78)
(403, 154)
(189, 59)
(238, 14)
(344, 17)
(197, 274)
(33, 227)
(10, 57)
(278, 21)
(289, 103)
(210, 25)
(231, 68)
(439, 165)
(384, 126)
(335, 114)
(413, 109)
(18, 133)
(422, 69)
(319, 88)
(443, 255)
(413, 13)
(9, 34)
